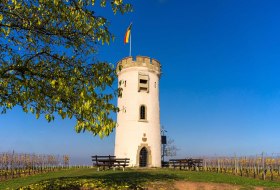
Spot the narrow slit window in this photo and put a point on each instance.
(143, 112)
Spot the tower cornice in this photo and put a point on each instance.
(140, 61)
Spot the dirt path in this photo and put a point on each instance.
(184, 185)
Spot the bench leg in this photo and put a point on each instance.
(98, 169)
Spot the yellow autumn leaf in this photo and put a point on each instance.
(118, 2)
(53, 82)
(82, 94)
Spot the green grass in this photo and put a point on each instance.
(129, 179)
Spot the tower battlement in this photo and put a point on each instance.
(141, 61)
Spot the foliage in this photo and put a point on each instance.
(79, 184)
(47, 62)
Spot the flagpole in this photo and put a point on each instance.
(130, 44)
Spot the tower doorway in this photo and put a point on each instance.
(143, 157)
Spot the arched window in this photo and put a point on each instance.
(143, 112)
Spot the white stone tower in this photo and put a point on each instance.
(138, 130)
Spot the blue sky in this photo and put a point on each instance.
(220, 87)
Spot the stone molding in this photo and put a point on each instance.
(149, 161)
(141, 61)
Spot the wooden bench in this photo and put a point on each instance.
(120, 162)
(110, 162)
(186, 163)
(181, 163)
(164, 164)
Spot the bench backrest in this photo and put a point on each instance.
(189, 161)
(110, 160)
(96, 157)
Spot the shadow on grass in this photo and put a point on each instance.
(107, 180)
(133, 177)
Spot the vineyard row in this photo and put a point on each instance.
(21, 164)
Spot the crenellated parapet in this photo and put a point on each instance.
(141, 61)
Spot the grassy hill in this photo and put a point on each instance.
(89, 178)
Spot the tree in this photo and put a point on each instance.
(47, 63)
(170, 149)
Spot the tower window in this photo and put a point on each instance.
(143, 112)
(125, 83)
(143, 82)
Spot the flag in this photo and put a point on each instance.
(127, 34)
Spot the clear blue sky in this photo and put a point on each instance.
(220, 87)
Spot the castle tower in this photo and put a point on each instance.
(138, 130)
